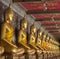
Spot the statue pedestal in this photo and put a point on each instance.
(21, 56)
(33, 56)
(15, 56)
(39, 55)
(2, 57)
(30, 56)
(45, 56)
(11, 56)
(49, 56)
(58, 56)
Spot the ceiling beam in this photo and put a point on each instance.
(49, 22)
(56, 33)
(41, 11)
(39, 7)
(51, 0)
(50, 27)
(46, 19)
(17, 0)
(47, 16)
(25, 0)
(53, 31)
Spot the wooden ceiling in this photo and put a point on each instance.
(47, 13)
(25, 0)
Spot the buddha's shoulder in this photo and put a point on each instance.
(20, 31)
(4, 24)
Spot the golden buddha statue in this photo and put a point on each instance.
(22, 36)
(47, 42)
(51, 44)
(39, 37)
(32, 37)
(7, 33)
(43, 41)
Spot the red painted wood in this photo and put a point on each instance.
(32, 5)
(43, 16)
(50, 27)
(49, 22)
(51, 31)
(40, 5)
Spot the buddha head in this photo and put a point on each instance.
(33, 28)
(8, 15)
(47, 38)
(43, 36)
(39, 32)
(23, 23)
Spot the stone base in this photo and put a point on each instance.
(45, 56)
(58, 57)
(14, 56)
(49, 55)
(2, 57)
(30, 56)
(40, 56)
(11, 57)
(21, 57)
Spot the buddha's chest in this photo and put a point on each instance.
(23, 35)
(33, 38)
(38, 41)
(23, 38)
(44, 43)
(9, 29)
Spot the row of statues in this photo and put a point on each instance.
(32, 45)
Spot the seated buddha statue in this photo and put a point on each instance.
(50, 44)
(32, 37)
(39, 37)
(7, 33)
(47, 42)
(22, 36)
(43, 41)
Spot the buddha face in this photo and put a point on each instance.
(47, 39)
(44, 36)
(10, 17)
(33, 29)
(39, 33)
(25, 25)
